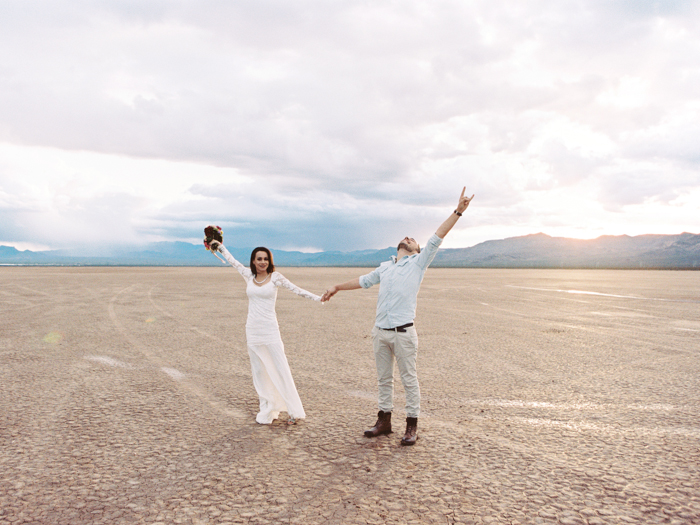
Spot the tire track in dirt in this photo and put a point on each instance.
(152, 356)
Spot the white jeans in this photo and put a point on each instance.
(402, 346)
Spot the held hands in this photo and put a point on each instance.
(463, 201)
(353, 284)
(329, 293)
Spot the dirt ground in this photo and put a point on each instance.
(565, 396)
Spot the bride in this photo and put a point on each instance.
(271, 374)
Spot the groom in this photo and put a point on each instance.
(393, 334)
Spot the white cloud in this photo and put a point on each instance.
(343, 125)
(629, 92)
(62, 198)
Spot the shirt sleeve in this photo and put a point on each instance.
(370, 279)
(243, 270)
(280, 280)
(427, 254)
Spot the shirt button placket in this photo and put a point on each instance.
(392, 277)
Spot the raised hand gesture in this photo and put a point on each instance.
(463, 201)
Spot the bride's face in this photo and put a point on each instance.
(261, 261)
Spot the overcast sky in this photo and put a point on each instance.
(345, 125)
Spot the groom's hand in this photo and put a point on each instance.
(463, 203)
(329, 293)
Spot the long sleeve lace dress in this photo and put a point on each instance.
(271, 374)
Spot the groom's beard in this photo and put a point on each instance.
(406, 247)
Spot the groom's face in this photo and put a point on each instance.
(409, 244)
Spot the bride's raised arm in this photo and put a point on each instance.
(243, 270)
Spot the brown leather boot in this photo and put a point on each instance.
(382, 426)
(411, 431)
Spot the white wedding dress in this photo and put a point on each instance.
(271, 374)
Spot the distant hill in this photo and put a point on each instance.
(531, 251)
(542, 251)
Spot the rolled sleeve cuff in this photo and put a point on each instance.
(428, 254)
(435, 240)
(366, 281)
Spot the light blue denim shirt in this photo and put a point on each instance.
(400, 282)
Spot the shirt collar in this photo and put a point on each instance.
(403, 259)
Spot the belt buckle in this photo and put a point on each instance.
(400, 329)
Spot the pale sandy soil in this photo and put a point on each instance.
(548, 397)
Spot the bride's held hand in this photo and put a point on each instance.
(329, 293)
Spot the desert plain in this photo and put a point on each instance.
(548, 396)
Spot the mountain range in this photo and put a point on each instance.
(530, 251)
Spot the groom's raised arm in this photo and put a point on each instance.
(462, 205)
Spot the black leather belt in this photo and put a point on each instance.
(401, 328)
